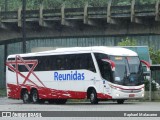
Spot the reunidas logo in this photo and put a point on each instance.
(73, 75)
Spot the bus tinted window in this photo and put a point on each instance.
(104, 67)
(61, 62)
(10, 59)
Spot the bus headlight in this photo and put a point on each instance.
(142, 94)
(117, 95)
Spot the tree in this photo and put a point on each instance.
(127, 42)
(154, 55)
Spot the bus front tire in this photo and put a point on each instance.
(120, 101)
(25, 97)
(93, 97)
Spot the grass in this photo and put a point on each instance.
(2, 92)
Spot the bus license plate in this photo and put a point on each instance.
(131, 95)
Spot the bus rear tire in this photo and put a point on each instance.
(93, 97)
(41, 101)
(51, 101)
(34, 96)
(120, 101)
(60, 101)
(25, 97)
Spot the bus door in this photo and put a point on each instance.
(106, 68)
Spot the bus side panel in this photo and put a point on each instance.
(73, 89)
(13, 91)
(46, 93)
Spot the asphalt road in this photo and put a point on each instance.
(17, 105)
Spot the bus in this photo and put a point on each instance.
(96, 73)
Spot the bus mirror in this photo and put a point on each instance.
(146, 73)
(111, 63)
(146, 63)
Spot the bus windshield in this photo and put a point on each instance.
(128, 70)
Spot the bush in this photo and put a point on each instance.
(2, 92)
(153, 85)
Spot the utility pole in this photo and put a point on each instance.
(24, 25)
(6, 7)
(150, 87)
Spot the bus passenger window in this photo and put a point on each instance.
(104, 67)
(60, 64)
(106, 71)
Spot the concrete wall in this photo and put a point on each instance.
(81, 31)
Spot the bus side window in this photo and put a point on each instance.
(106, 71)
(52, 62)
(91, 64)
(86, 62)
(104, 67)
(43, 65)
(78, 62)
(58, 63)
(10, 59)
(47, 64)
(71, 62)
(66, 62)
(22, 68)
(10, 69)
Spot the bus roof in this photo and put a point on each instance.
(118, 51)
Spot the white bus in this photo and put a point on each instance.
(96, 73)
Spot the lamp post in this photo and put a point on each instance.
(24, 25)
(6, 5)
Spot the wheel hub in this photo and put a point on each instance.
(26, 97)
(35, 97)
(92, 97)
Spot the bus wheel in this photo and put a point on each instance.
(120, 101)
(25, 96)
(60, 101)
(93, 97)
(41, 101)
(51, 101)
(34, 96)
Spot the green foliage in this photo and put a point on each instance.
(34, 4)
(127, 42)
(14, 4)
(2, 92)
(146, 1)
(74, 3)
(52, 3)
(147, 83)
(154, 55)
(121, 2)
(97, 3)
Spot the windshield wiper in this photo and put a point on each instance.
(127, 67)
(126, 75)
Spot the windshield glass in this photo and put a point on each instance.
(128, 70)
